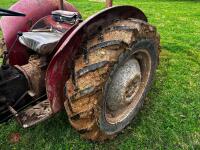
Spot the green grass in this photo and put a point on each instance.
(170, 118)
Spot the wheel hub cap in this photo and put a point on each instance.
(124, 86)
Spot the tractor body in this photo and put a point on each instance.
(40, 57)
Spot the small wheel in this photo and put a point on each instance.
(112, 82)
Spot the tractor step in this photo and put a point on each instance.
(35, 114)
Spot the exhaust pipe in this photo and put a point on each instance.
(108, 3)
(61, 5)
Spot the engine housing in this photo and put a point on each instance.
(21, 85)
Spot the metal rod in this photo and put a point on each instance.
(4, 12)
(108, 3)
(22, 108)
(9, 80)
(61, 5)
(15, 114)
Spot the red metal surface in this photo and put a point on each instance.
(34, 10)
(59, 69)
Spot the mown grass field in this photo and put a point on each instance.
(170, 118)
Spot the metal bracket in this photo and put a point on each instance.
(32, 115)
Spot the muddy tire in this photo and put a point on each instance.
(110, 83)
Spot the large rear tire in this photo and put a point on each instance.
(110, 83)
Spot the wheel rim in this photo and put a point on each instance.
(127, 86)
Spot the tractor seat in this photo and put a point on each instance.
(41, 42)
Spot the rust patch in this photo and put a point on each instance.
(35, 73)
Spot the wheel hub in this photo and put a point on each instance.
(124, 86)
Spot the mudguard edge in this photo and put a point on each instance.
(59, 68)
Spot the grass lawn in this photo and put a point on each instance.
(170, 118)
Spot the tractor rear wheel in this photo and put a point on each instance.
(111, 82)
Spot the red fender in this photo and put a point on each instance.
(59, 68)
(34, 10)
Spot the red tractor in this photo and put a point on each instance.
(100, 69)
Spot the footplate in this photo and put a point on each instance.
(35, 114)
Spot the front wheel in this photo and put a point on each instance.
(112, 84)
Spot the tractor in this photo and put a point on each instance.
(99, 69)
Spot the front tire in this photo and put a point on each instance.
(112, 82)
